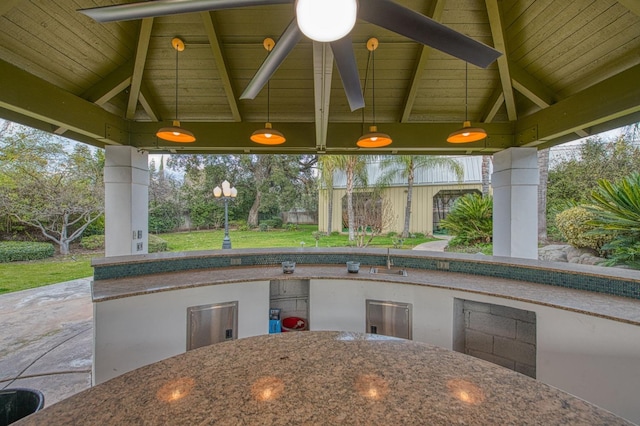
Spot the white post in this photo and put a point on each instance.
(515, 203)
(126, 185)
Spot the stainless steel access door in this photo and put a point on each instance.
(207, 324)
(389, 318)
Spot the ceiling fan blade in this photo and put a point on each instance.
(285, 44)
(149, 9)
(348, 69)
(399, 19)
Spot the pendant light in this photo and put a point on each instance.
(373, 139)
(467, 133)
(268, 135)
(176, 133)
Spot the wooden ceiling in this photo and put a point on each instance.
(569, 69)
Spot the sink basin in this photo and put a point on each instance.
(392, 271)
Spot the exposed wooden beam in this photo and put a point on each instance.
(208, 20)
(611, 99)
(535, 91)
(322, 72)
(146, 100)
(434, 13)
(138, 66)
(408, 138)
(7, 5)
(493, 106)
(497, 32)
(29, 96)
(632, 5)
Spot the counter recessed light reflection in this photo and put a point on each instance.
(175, 390)
(372, 386)
(267, 388)
(465, 391)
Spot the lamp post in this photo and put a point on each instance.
(227, 192)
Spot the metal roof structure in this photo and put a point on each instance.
(569, 69)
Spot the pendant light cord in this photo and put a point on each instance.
(177, 84)
(466, 91)
(268, 98)
(364, 89)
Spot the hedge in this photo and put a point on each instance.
(13, 251)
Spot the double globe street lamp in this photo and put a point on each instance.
(226, 193)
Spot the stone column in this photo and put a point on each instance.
(515, 203)
(126, 187)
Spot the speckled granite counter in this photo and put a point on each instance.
(322, 378)
(601, 305)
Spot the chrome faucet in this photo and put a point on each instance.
(389, 260)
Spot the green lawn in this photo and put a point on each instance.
(15, 276)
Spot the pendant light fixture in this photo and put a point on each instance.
(373, 139)
(467, 133)
(176, 133)
(268, 135)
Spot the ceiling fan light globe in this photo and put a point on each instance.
(326, 20)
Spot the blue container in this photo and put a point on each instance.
(274, 326)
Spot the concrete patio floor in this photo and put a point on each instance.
(46, 337)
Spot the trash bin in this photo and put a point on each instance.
(18, 403)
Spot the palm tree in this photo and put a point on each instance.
(328, 165)
(354, 167)
(405, 166)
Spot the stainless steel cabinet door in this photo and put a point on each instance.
(207, 324)
(389, 318)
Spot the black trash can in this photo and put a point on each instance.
(18, 403)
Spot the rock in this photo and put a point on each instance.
(553, 253)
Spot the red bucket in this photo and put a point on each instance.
(294, 324)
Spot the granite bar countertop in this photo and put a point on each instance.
(597, 304)
(328, 378)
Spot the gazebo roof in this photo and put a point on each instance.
(569, 69)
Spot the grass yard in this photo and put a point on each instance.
(15, 276)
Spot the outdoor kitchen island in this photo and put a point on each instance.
(327, 378)
(584, 342)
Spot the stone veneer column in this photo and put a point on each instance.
(126, 187)
(515, 203)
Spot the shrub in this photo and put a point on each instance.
(470, 220)
(417, 235)
(276, 222)
(92, 242)
(156, 244)
(12, 251)
(292, 227)
(574, 226)
(264, 226)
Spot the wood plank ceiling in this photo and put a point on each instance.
(569, 69)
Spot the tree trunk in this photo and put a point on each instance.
(350, 172)
(543, 166)
(253, 213)
(329, 209)
(486, 177)
(407, 210)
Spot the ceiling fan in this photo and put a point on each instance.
(325, 21)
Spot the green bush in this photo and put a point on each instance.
(574, 226)
(276, 221)
(12, 251)
(92, 242)
(156, 244)
(470, 220)
(264, 226)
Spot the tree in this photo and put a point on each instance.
(165, 212)
(47, 187)
(328, 165)
(572, 180)
(405, 167)
(486, 175)
(354, 167)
